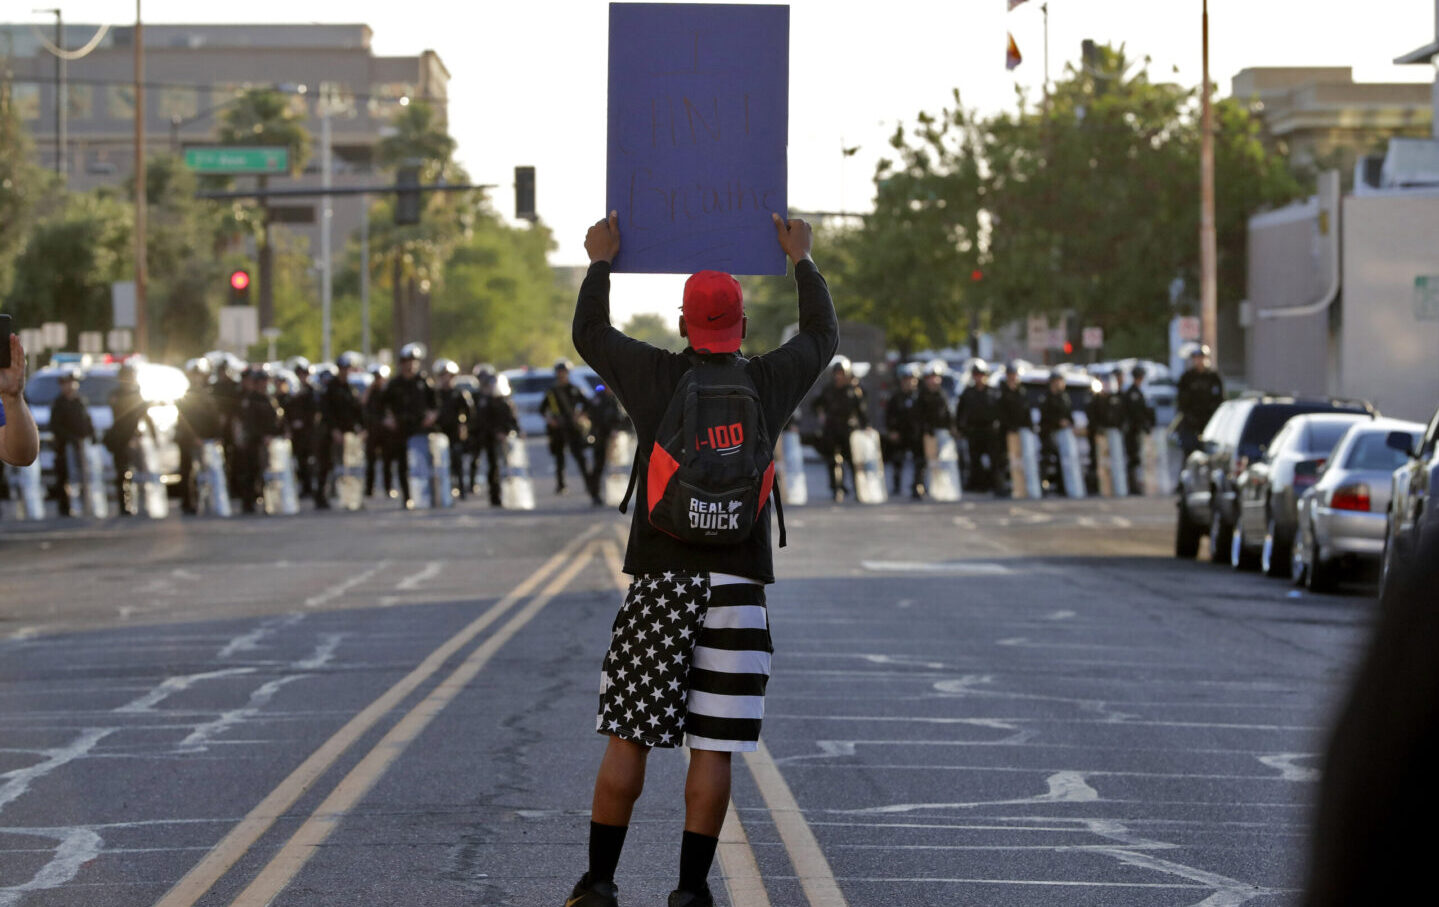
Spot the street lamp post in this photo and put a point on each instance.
(1208, 244)
(60, 94)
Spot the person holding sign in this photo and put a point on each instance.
(690, 653)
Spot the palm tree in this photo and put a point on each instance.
(265, 117)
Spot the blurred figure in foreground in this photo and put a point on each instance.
(1373, 832)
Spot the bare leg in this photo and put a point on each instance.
(620, 781)
(707, 788)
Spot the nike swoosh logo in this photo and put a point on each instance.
(707, 318)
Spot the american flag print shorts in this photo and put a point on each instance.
(688, 661)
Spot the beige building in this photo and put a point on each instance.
(192, 72)
(1320, 117)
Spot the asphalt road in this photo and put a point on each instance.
(983, 703)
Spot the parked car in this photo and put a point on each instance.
(1343, 517)
(1269, 490)
(1412, 513)
(1235, 436)
(528, 387)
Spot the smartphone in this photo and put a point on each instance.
(4, 341)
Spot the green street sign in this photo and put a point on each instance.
(238, 160)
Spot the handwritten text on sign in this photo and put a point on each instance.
(698, 129)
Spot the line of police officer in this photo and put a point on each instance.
(244, 414)
(984, 416)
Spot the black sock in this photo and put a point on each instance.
(697, 853)
(606, 842)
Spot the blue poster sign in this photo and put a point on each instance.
(698, 136)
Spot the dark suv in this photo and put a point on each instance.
(1237, 434)
(1411, 503)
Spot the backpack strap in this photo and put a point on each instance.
(779, 514)
(630, 488)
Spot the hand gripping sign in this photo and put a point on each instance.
(698, 135)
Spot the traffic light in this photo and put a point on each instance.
(407, 200)
(525, 193)
(240, 287)
(976, 275)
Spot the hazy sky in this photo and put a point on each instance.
(529, 77)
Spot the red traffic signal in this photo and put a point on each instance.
(240, 281)
(976, 275)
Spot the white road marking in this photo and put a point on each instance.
(18, 781)
(344, 586)
(77, 846)
(324, 651)
(815, 876)
(1064, 787)
(171, 685)
(964, 522)
(946, 568)
(250, 641)
(432, 570)
(1059, 615)
(196, 741)
(1288, 770)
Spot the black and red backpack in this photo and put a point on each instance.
(711, 469)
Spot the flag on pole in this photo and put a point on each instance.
(1014, 3)
(1012, 57)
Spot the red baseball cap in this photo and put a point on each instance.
(714, 312)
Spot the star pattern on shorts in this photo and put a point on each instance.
(645, 680)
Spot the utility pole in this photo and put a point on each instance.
(326, 262)
(365, 276)
(141, 342)
(60, 93)
(1208, 247)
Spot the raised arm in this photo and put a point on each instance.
(599, 343)
(19, 438)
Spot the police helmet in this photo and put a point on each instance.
(502, 386)
(1138, 371)
(908, 370)
(978, 366)
(349, 359)
(1011, 368)
(935, 367)
(483, 371)
(841, 365)
(297, 364)
(446, 367)
(380, 370)
(70, 374)
(565, 364)
(414, 351)
(197, 366)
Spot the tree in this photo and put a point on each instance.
(655, 330)
(22, 184)
(263, 117)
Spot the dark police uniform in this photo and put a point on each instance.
(407, 401)
(301, 407)
(561, 409)
(258, 419)
(844, 412)
(71, 426)
(1200, 393)
(904, 435)
(456, 417)
(225, 391)
(199, 422)
(340, 411)
(1139, 421)
(495, 418)
(1054, 409)
(1105, 411)
(606, 417)
(129, 411)
(977, 415)
(380, 445)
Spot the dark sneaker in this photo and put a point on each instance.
(690, 899)
(594, 894)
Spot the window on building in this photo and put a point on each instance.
(120, 102)
(385, 97)
(177, 102)
(26, 99)
(80, 101)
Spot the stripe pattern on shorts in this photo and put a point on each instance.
(730, 669)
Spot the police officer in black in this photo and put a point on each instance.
(1014, 416)
(1105, 411)
(380, 448)
(1139, 421)
(411, 409)
(71, 427)
(977, 415)
(842, 411)
(130, 414)
(563, 411)
(301, 406)
(1201, 390)
(258, 421)
(456, 415)
(1056, 412)
(341, 413)
(495, 419)
(199, 421)
(904, 430)
(606, 417)
(225, 391)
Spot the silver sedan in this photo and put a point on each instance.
(1342, 516)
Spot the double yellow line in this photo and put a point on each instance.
(278, 873)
